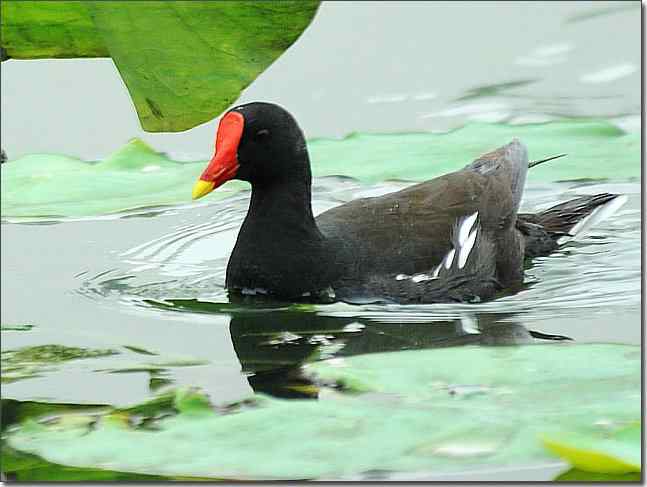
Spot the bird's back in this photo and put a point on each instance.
(411, 231)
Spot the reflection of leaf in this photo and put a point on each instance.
(614, 451)
(154, 366)
(47, 354)
(136, 176)
(16, 327)
(598, 12)
(28, 362)
(139, 350)
(494, 90)
(441, 411)
(197, 306)
(183, 62)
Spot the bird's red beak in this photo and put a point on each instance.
(224, 164)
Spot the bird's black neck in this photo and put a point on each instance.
(279, 248)
(284, 204)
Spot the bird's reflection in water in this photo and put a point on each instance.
(272, 346)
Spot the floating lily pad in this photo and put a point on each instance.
(136, 176)
(182, 62)
(133, 177)
(595, 149)
(441, 410)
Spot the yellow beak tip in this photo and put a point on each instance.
(202, 188)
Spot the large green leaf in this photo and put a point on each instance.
(183, 62)
(444, 410)
(136, 176)
(49, 29)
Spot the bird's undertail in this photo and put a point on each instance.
(545, 231)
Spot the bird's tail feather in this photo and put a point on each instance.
(546, 230)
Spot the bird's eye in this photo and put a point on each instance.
(262, 133)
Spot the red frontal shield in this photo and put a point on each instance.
(224, 163)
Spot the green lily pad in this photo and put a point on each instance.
(133, 177)
(443, 410)
(616, 450)
(595, 149)
(182, 62)
(45, 185)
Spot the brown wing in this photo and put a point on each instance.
(409, 231)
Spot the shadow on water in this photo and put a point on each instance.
(273, 344)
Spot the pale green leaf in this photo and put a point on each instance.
(444, 410)
(135, 176)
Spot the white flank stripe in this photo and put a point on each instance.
(465, 228)
(449, 258)
(421, 277)
(467, 249)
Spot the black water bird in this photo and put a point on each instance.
(456, 238)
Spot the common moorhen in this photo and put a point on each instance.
(457, 237)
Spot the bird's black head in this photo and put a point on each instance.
(257, 142)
